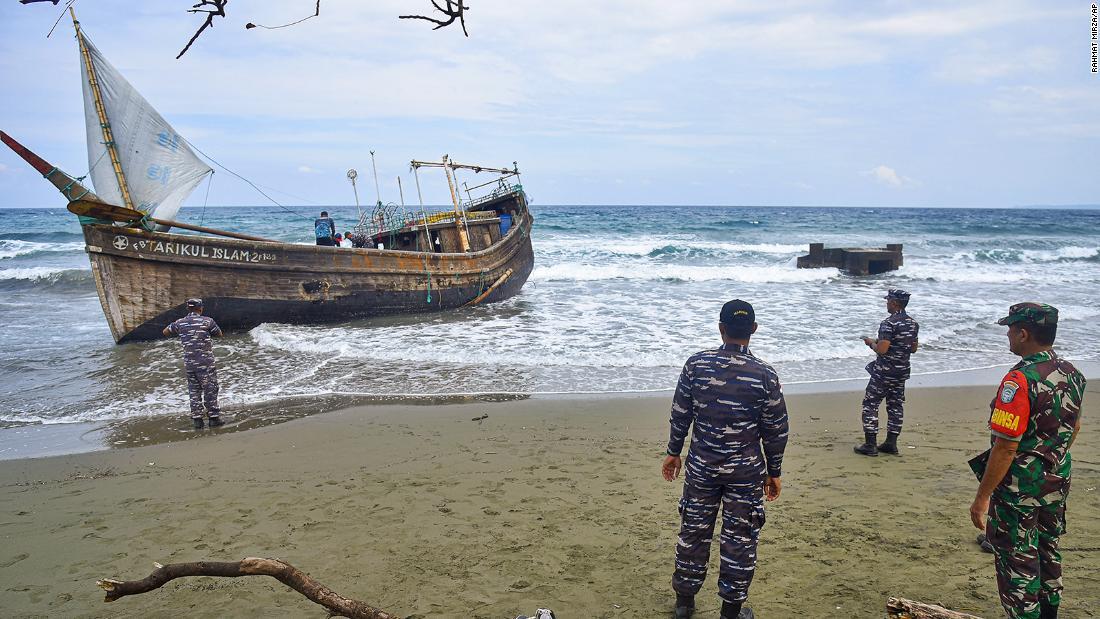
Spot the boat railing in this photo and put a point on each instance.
(414, 220)
(497, 193)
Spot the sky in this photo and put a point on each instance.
(759, 102)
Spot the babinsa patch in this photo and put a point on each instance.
(1008, 391)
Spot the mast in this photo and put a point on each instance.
(377, 192)
(463, 239)
(108, 135)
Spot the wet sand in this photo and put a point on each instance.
(546, 502)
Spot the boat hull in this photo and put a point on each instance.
(144, 279)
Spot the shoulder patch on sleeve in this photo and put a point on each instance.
(1012, 407)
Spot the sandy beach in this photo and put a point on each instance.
(425, 512)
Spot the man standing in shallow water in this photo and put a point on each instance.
(897, 339)
(735, 403)
(195, 332)
(1034, 419)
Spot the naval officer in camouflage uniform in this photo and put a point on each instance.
(195, 332)
(735, 403)
(1034, 419)
(897, 339)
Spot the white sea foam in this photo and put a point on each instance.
(11, 248)
(1062, 253)
(668, 272)
(1010, 255)
(438, 346)
(988, 274)
(40, 273)
(644, 246)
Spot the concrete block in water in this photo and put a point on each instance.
(853, 260)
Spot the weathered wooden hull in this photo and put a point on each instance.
(144, 278)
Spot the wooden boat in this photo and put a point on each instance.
(142, 171)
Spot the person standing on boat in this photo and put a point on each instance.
(325, 229)
(897, 339)
(735, 403)
(195, 332)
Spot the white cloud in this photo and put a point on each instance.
(981, 63)
(4, 169)
(1047, 111)
(888, 176)
(642, 90)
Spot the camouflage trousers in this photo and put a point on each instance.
(742, 517)
(202, 387)
(880, 388)
(1029, 566)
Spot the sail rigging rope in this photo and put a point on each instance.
(253, 185)
(209, 182)
(92, 168)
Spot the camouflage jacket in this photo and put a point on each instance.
(901, 330)
(735, 403)
(1038, 404)
(195, 331)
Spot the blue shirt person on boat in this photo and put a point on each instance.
(325, 229)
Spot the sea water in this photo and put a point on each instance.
(620, 296)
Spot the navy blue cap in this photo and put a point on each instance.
(737, 313)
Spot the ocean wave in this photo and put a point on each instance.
(663, 272)
(12, 248)
(977, 274)
(45, 277)
(1030, 256)
(346, 344)
(704, 248)
(653, 247)
(58, 236)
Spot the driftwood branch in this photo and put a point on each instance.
(337, 605)
(455, 9)
(901, 608)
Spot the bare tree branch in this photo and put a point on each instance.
(337, 605)
(217, 10)
(455, 9)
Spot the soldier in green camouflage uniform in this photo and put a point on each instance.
(1034, 419)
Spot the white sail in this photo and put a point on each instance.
(159, 166)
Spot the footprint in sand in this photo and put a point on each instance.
(16, 559)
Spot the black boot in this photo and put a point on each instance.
(198, 422)
(685, 606)
(868, 447)
(1046, 611)
(216, 422)
(890, 446)
(734, 610)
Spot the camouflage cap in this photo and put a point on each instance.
(1035, 313)
(194, 302)
(897, 294)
